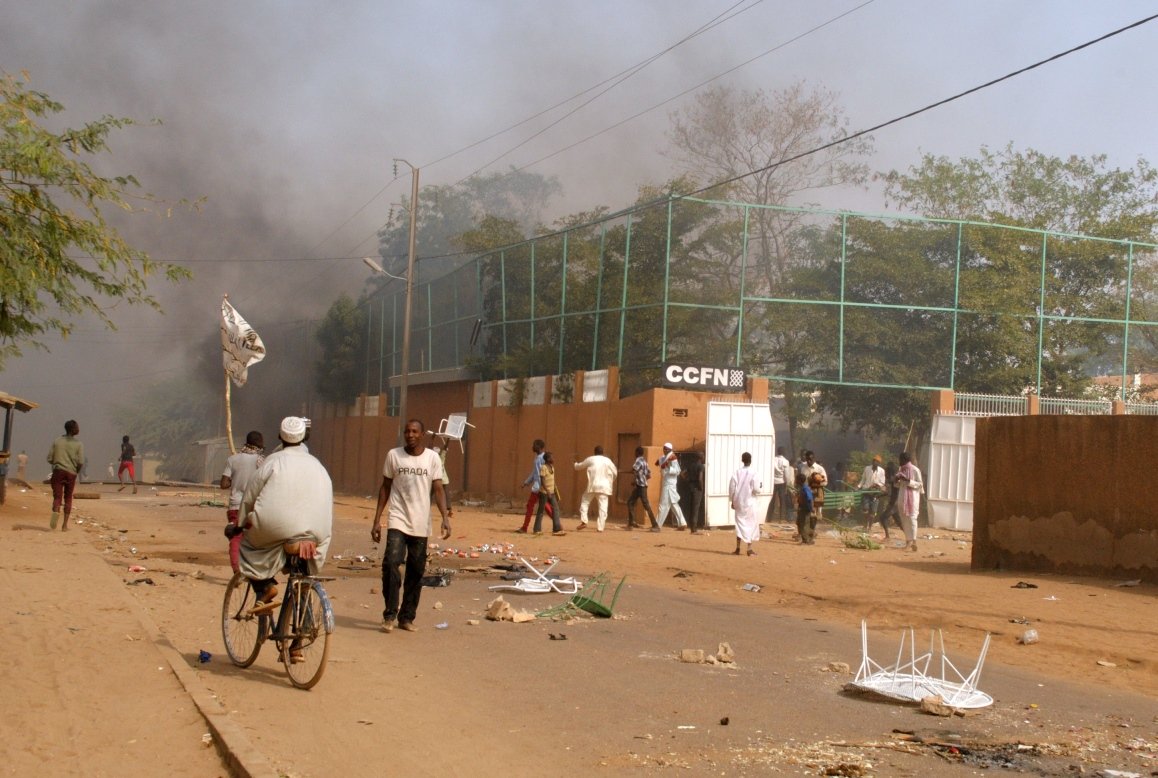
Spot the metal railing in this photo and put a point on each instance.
(1057, 406)
(989, 405)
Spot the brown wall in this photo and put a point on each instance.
(353, 448)
(498, 447)
(1067, 494)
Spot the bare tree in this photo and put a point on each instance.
(775, 149)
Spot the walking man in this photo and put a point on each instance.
(239, 468)
(911, 486)
(694, 475)
(641, 474)
(601, 475)
(128, 453)
(669, 496)
(742, 491)
(782, 479)
(534, 480)
(411, 476)
(872, 483)
(67, 458)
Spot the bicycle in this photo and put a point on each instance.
(301, 631)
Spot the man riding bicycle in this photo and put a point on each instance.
(287, 510)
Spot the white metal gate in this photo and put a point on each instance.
(734, 428)
(952, 463)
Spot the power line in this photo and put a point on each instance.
(614, 82)
(930, 106)
(689, 90)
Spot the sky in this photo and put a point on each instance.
(282, 119)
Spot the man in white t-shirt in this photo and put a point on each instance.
(782, 479)
(411, 476)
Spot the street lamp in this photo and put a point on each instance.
(405, 377)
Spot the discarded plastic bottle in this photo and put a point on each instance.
(1029, 637)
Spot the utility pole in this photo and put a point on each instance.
(404, 381)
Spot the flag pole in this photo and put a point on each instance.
(228, 406)
(228, 415)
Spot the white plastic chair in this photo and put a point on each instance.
(541, 583)
(453, 428)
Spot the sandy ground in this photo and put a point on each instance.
(86, 694)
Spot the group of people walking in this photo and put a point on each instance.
(796, 490)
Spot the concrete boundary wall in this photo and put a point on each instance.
(498, 448)
(1067, 494)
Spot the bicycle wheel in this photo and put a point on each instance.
(242, 631)
(305, 654)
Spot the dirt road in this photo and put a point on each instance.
(606, 696)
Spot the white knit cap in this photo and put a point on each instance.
(667, 446)
(293, 429)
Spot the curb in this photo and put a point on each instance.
(238, 753)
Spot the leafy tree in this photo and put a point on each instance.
(342, 336)
(1002, 269)
(446, 212)
(59, 257)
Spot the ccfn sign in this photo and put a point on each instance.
(710, 378)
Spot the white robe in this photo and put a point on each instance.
(742, 491)
(290, 497)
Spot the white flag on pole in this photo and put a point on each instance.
(241, 346)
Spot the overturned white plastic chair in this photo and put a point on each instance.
(541, 583)
(454, 427)
(910, 680)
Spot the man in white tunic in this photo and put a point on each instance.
(601, 475)
(669, 496)
(411, 476)
(289, 500)
(742, 491)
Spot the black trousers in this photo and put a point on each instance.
(411, 551)
(639, 493)
(696, 515)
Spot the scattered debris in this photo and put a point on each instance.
(1023, 585)
(697, 656)
(148, 581)
(207, 740)
(692, 656)
(1106, 663)
(751, 587)
(473, 622)
(443, 625)
(499, 609)
(203, 656)
(838, 667)
(137, 569)
(1019, 620)
(1135, 582)
(1028, 638)
(560, 636)
(859, 540)
(724, 721)
(197, 575)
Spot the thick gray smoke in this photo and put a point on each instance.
(285, 118)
